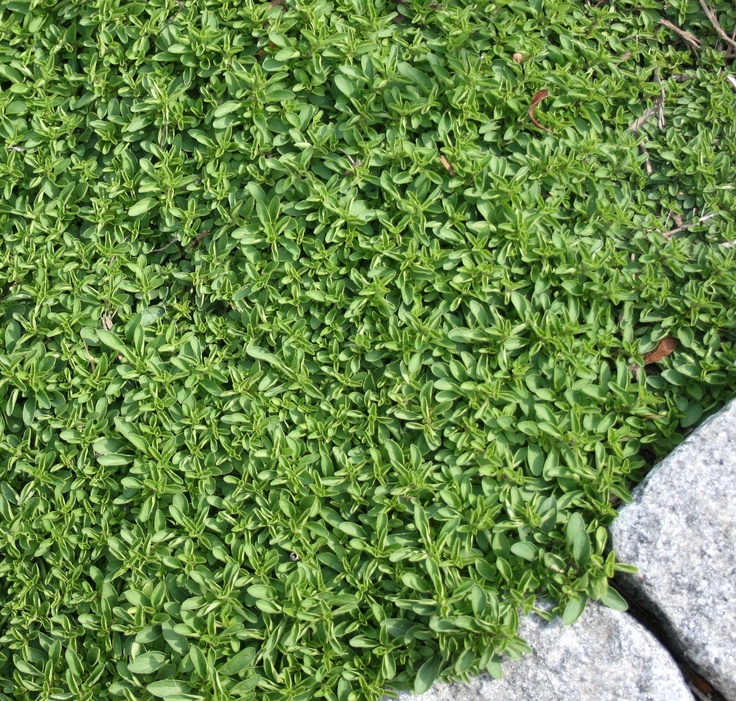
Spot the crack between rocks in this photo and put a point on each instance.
(644, 615)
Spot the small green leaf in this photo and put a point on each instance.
(352, 529)
(12, 335)
(199, 661)
(578, 540)
(574, 609)
(535, 459)
(262, 354)
(167, 688)
(427, 675)
(226, 108)
(112, 341)
(526, 551)
(131, 435)
(345, 85)
(147, 663)
(261, 591)
(176, 641)
(238, 663)
(75, 664)
(141, 207)
(614, 600)
(504, 568)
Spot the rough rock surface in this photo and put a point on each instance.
(680, 531)
(605, 656)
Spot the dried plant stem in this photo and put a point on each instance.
(90, 357)
(163, 248)
(648, 162)
(660, 106)
(687, 36)
(448, 167)
(672, 232)
(639, 123)
(716, 24)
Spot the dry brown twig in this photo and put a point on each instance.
(687, 36)
(660, 105)
(90, 357)
(669, 234)
(648, 162)
(163, 248)
(107, 318)
(448, 167)
(639, 123)
(711, 15)
(195, 241)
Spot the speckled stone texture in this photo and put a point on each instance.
(680, 531)
(605, 656)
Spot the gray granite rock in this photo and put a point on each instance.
(605, 656)
(680, 531)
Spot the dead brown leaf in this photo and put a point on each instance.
(107, 320)
(664, 348)
(538, 97)
(701, 684)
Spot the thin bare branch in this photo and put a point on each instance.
(648, 113)
(716, 24)
(672, 232)
(648, 162)
(687, 36)
(163, 248)
(660, 107)
(90, 357)
(448, 167)
(195, 241)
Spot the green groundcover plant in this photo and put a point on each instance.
(333, 332)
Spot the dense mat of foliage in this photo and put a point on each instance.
(319, 360)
